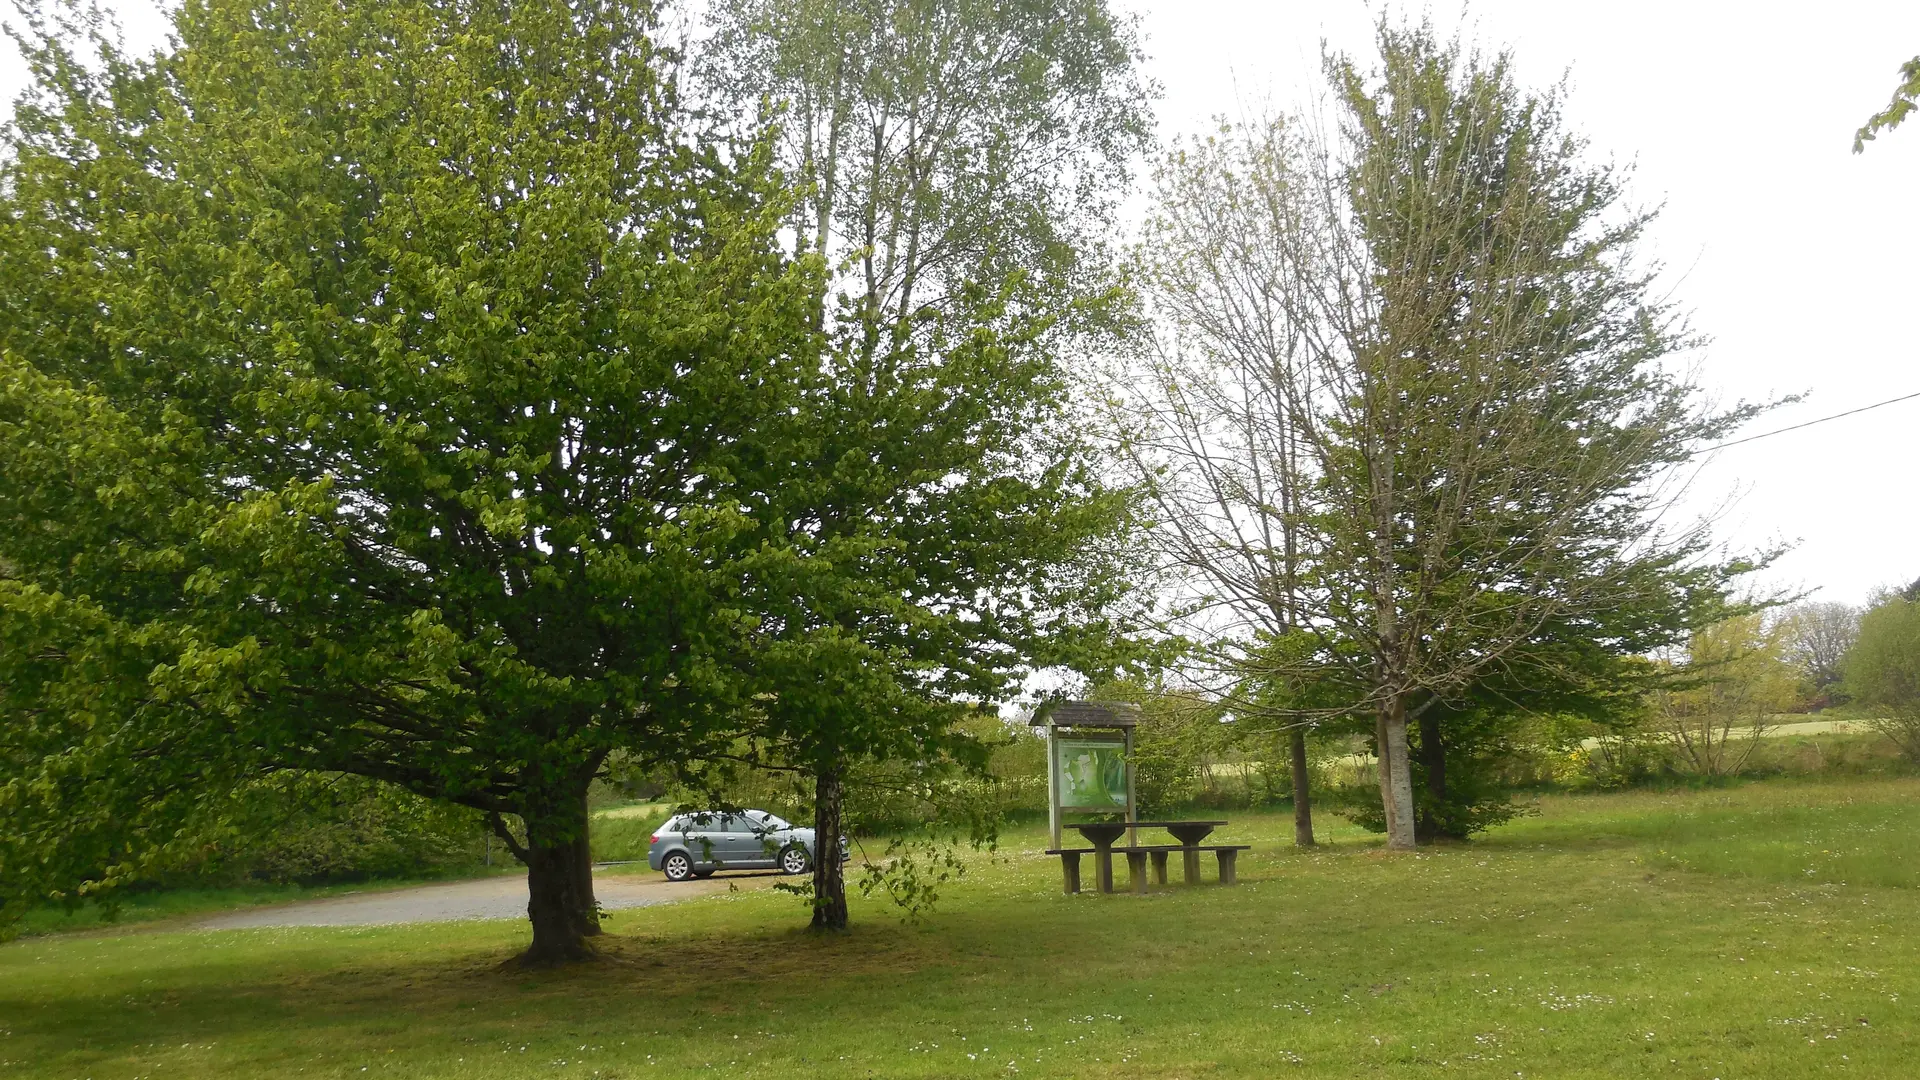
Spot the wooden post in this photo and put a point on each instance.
(1190, 864)
(1137, 870)
(1133, 815)
(1103, 868)
(1053, 782)
(1070, 870)
(1159, 867)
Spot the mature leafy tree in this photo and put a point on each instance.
(955, 537)
(1883, 669)
(389, 388)
(1497, 415)
(1442, 309)
(1906, 98)
(959, 164)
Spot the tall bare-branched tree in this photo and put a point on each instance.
(1207, 405)
(1818, 635)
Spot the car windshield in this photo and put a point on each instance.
(771, 823)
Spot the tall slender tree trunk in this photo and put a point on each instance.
(1383, 769)
(1302, 789)
(1396, 781)
(829, 875)
(560, 901)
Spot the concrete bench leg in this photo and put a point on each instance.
(1159, 867)
(1070, 870)
(1103, 870)
(1227, 859)
(1137, 870)
(1190, 865)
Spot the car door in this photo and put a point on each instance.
(760, 848)
(723, 847)
(706, 837)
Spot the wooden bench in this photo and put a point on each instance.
(1138, 857)
(1226, 854)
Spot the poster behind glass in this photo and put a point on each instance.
(1093, 774)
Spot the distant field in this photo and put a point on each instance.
(633, 810)
(1785, 726)
(1762, 931)
(622, 833)
(1780, 727)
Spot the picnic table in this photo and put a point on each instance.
(1102, 834)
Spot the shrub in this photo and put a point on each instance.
(1883, 671)
(312, 828)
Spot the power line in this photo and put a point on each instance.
(1810, 423)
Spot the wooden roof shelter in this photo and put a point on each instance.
(1103, 714)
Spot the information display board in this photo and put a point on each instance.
(1092, 773)
(1089, 761)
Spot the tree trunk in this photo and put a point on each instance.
(560, 900)
(1383, 768)
(829, 875)
(586, 907)
(1433, 758)
(1396, 781)
(1302, 793)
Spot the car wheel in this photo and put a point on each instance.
(676, 866)
(794, 860)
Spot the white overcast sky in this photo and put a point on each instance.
(1799, 259)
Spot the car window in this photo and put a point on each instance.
(766, 823)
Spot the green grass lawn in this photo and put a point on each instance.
(1769, 930)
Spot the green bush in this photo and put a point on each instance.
(309, 828)
(1883, 670)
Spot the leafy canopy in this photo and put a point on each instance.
(392, 388)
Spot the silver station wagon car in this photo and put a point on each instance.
(695, 845)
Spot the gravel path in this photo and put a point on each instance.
(502, 897)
